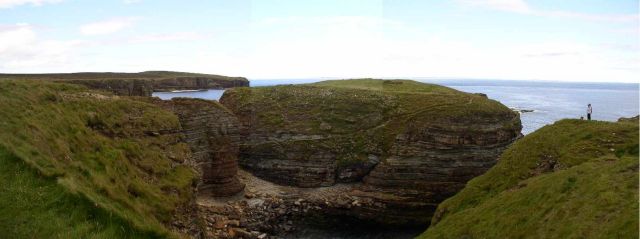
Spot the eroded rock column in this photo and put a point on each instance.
(212, 133)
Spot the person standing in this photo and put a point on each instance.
(589, 111)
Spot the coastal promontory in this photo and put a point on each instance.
(406, 145)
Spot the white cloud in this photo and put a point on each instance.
(345, 47)
(520, 6)
(13, 3)
(107, 26)
(351, 47)
(21, 48)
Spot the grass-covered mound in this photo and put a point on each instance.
(347, 105)
(572, 179)
(98, 161)
(350, 120)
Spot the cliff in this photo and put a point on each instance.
(572, 179)
(411, 144)
(212, 133)
(139, 84)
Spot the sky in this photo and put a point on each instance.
(568, 40)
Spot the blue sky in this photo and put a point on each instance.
(570, 40)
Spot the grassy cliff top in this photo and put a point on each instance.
(114, 75)
(572, 179)
(353, 105)
(115, 157)
(407, 86)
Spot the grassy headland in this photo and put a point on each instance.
(572, 179)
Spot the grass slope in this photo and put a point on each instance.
(109, 151)
(572, 179)
(34, 206)
(114, 75)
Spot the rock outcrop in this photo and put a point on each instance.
(212, 133)
(411, 144)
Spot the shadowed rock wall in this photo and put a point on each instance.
(212, 133)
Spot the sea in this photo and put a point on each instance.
(539, 102)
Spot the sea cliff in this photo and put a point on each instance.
(410, 145)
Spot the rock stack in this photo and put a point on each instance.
(212, 133)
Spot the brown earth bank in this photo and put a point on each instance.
(141, 83)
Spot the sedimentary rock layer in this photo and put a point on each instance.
(412, 144)
(212, 133)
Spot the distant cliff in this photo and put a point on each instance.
(139, 84)
(411, 144)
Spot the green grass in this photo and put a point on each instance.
(102, 148)
(572, 179)
(114, 75)
(367, 113)
(388, 85)
(34, 206)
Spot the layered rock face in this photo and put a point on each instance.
(212, 133)
(411, 144)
